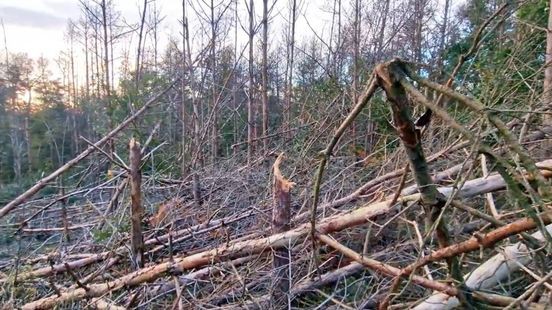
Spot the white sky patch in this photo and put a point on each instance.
(37, 27)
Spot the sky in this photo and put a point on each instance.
(37, 27)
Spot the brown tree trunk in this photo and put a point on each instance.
(74, 82)
(136, 209)
(250, 103)
(281, 216)
(139, 51)
(214, 127)
(184, 137)
(381, 34)
(547, 87)
(86, 60)
(196, 149)
(28, 141)
(389, 75)
(289, 72)
(356, 59)
(264, 130)
(107, 89)
(235, 80)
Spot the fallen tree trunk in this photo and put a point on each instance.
(491, 183)
(182, 263)
(489, 274)
(181, 234)
(452, 172)
(248, 247)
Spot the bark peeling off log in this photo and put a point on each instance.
(488, 275)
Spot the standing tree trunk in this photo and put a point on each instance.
(184, 137)
(356, 64)
(107, 88)
(156, 21)
(136, 210)
(86, 61)
(443, 38)
(264, 130)
(289, 71)
(139, 52)
(250, 103)
(214, 129)
(235, 80)
(381, 34)
(196, 148)
(547, 87)
(28, 141)
(419, 8)
(97, 51)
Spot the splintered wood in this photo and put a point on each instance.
(281, 216)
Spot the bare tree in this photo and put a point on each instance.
(140, 37)
(356, 59)
(264, 90)
(214, 126)
(196, 149)
(547, 87)
(443, 35)
(71, 35)
(250, 103)
(106, 83)
(184, 134)
(289, 67)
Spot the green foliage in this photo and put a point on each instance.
(101, 235)
(509, 59)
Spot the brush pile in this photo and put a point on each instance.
(462, 222)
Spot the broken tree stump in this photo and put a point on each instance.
(281, 216)
(136, 210)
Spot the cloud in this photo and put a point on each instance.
(29, 18)
(69, 8)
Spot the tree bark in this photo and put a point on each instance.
(281, 216)
(264, 130)
(432, 201)
(136, 208)
(196, 148)
(547, 87)
(139, 51)
(107, 88)
(250, 102)
(356, 60)
(214, 125)
(184, 137)
(289, 72)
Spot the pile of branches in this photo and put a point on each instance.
(403, 238)
(392, 242)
